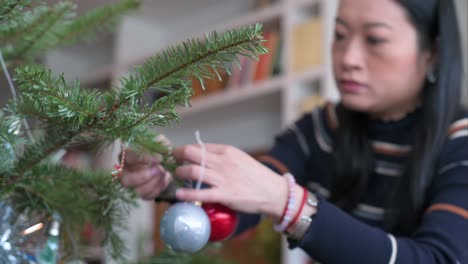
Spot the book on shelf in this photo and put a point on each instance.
(264, 68)
(212, 85)
(277, 63)
(307, 44)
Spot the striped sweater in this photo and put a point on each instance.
(335, 236)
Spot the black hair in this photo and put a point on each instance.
(437, 27)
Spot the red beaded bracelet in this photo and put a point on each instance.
(286, 217)
(297, 231)
(301, 206)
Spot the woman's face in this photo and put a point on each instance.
(378, 65)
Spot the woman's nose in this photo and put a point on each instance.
(352, 55)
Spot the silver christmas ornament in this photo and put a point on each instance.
(185, 227)
(11, 239)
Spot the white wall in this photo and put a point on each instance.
(81, 60)
(138, 37)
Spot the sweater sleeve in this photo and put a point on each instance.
(442, 237)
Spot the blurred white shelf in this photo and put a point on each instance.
(233, 95)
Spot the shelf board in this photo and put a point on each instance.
(232, 96)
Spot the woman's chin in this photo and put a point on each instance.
(356, 103)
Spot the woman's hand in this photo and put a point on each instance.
(237, 180)
(144, 173)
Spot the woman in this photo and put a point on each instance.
(386, 169)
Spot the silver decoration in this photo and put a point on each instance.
(11, 239)
(185, 227)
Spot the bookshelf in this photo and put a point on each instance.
(282, 16)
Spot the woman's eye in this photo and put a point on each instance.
(375, 40)
(339, 36)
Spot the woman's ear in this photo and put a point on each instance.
(429, 60)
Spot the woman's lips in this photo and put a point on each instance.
(350, 86)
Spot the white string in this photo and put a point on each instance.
(203, 160)
(13, 92)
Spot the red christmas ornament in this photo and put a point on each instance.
(223, 221)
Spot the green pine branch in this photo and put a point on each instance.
(80, 111)
(15, 22)
(216, 51)
(9, 9)
(59, 102)
(53, 188)
(30, 34)
(90, 25)
(13, 28)
(10, 139)
(42, 30)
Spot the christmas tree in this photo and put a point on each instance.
(32, 180)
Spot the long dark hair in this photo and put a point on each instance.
(437, 27)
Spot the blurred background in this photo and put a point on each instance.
(246, 109)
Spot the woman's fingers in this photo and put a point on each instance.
(193, 154)
(150, 189)
(193, 172)
(237, 180)
(217, 148)
(133, 178)
(134, 160)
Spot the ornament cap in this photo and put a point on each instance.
(55, 226)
